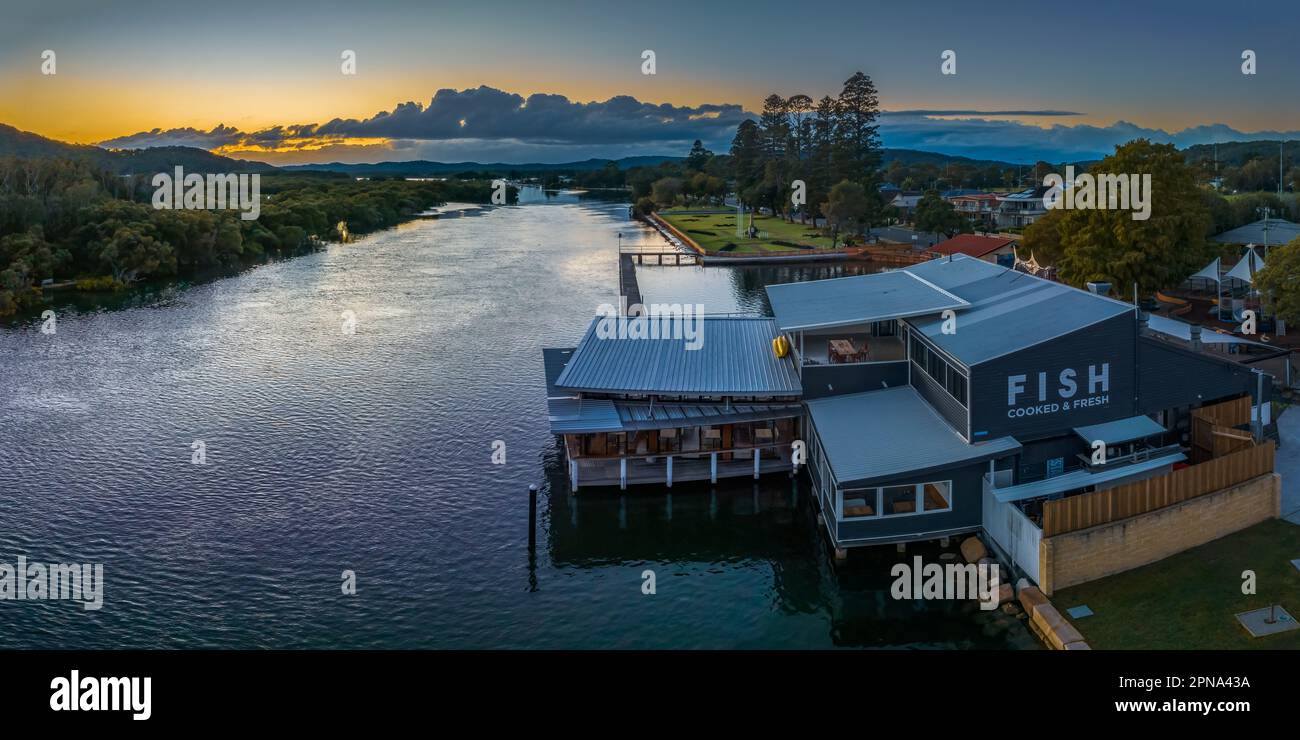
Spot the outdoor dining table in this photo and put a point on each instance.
(841, 350)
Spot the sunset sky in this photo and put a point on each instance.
(1118, 69)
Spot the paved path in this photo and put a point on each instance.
(1287, 463)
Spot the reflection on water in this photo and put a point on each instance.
(371, 452)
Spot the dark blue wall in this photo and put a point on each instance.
(834, 380)
(1172, 376)
(967, 508)
(1112, 341)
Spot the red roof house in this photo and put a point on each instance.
(986, 248)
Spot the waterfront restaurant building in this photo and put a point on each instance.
(972, 388)
(632, 408)
(935, 400)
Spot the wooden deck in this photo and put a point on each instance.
(627, 284)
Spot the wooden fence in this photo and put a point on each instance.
(1131, 499)
(1212, 432)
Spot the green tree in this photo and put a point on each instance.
(747, 156)
(666, 190)
(1279, 281)
(857, 141)
(698, 158)
(1155, 253)
(846, 209)
(933, 213)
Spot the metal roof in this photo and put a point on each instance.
(655, 416)
(1280, 231)
(881, 434)
(1082, 479)
(554, 359)
(1183, 331)
(820, 304)
(733, 357)
(1009, 310)
(1123, 430)
(583, 415)
(589, 415)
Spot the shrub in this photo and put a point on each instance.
(101, 283)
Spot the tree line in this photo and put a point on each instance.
(66, 218)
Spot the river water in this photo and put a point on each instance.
(327, 451)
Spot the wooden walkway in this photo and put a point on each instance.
(670, 257)
(627, 285)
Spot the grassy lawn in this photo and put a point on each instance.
(713, 231)
(1187, 602)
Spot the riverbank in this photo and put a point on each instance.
(100, 295)
(115, 232)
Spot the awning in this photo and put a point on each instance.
(592, 415)
(1081, 478)
(583, 415)
(636, 416)
(1245, 270)
(1209, 272)
(1124, 430)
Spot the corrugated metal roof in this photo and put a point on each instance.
(859, 299)
(1183, 331)
(734, 358)
(554, 359)
(1123, 430)
(583, 416)
(1009, 310)
(654, 416)
(1081, 478)
(880, 434)
(1280, 231)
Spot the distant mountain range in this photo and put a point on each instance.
(425, 168)
(124, 161)
(130, 161)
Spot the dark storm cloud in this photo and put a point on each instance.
(486, 113)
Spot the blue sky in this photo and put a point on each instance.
(1168, 70)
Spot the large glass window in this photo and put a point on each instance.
(957, 385)
(918, 498)
(898, 500)
(861, 502)
(932, 363)
(936, 496)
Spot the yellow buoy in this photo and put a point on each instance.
(781, 346)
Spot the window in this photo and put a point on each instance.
(934, 365)
(936, 496)
(957, 385)
(860, 503)
(898, 500)
(918, 498)
(948, 377)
